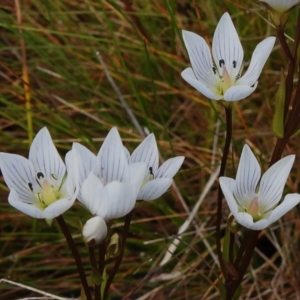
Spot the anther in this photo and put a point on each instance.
(221, 62)
(40, 175)
(30, 186)
(151, 170)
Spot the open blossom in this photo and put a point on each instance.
(256, 206)
(39, 186)
(280, 6)
(109, 185)
(158, 179)
(218, 76)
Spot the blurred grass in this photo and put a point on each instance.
(141, 45)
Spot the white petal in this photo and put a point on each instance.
(239, 92)
(226, 46)
(72, 177)
(200, 57)
(147, 152)
(154, 189)
(94, 229)
(127, 154)
(170, 167)
(58, 207)
(137, 173)
(121, 199)
(258, 60)
(25, 208)
(189, 77)
(273, 182)
(111, 159)
(94, 196)
(227, 185)
(18, 172)
(246, 220)
(289, 202)
(45, 158)
(85, 161)
(247, 177)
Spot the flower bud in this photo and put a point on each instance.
(94, 231)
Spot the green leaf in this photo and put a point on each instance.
(278, 126)
(96, 277)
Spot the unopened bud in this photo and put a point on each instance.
(94, 231)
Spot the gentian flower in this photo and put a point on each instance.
(219, 76)
(254, 204)
(158, 179)
(109, 186)
(39, 186)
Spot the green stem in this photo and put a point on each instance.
(228, 112)
(76, 256)
(120, 256)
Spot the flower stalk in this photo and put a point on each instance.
(76, 255)
(228, 113)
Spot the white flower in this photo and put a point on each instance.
(158, 179)
(218, 76)
(280, 6)
(94, 230)
(253, 206)
(39, 186)
(109, 186)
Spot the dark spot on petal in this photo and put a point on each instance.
(40, 175)
(214, 69)
(234, 63)
(30, 186)
(221, 62)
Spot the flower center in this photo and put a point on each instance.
(226, 80)
(47, 194)
(253, 209)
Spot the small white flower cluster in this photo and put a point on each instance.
(217, 74)
(108, 184)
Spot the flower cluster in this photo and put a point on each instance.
(107, 185)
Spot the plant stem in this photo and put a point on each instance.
(228, 112)
(76, 256)
(120, 256)
(95, 269)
